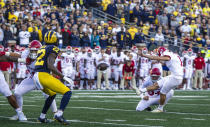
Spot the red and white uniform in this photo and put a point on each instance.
(90, 66)
(82, 68)
(144, 67)
(117, 68)
(67, 65)
(21, 70)
(28, 84)
(4, 87)
(154, 96)
(189, 66)
(176, 68)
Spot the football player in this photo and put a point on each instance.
(27, 84)
(67, 64)
(188, 64)
(4, 87)
(82, 68)
(21, 70)
(90, 66)
(143, 66)
(117, 63)
(152, 97)
(174, 63)
(43, 79)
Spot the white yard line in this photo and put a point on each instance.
(90, 122)
(155, 119)
(115, 120)
(193, 119)
(125, 110)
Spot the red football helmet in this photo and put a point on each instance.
(144, 50)
(97, 49)
(184, 53)
(161, 50)
(8, 49)
(34, 45)
(134, 49)
(1, 48)
(190, 51)
(68, 49)
(155, 74)
(89, 52)
(76, 51)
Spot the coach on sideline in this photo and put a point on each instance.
(103, 65)
(128, 74)
(199, 65)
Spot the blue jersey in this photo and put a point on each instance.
(42, 55)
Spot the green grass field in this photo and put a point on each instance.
(115, 109)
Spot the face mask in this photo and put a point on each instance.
(33, 55)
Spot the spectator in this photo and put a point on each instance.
(112, 9)
(163, 19)
(159, 38)
(24, 36)
(199, 65)
(185, 28)
(75, 40)
(7, 35)
(133, 30)
(121, 38)
(66, 36)
(152, 45)
(95, 39)
(34, 34)
(1, 36)
(85, 40)
(139, 37)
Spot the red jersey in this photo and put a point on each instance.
(129, 68)
(5, 66)
(199, 63)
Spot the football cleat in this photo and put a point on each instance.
(148, 109)
(45, 120)
(22, 117)
(60, 119)
(15, 117)
(157, 110)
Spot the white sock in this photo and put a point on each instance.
(161, 107)
(42, 116)
(59, 113)
(81, 83)
(18, 110)
(188, 84)
(19, 101)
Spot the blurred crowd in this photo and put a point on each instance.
(178, 24)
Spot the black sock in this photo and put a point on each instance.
(48, 103)
(65, 100)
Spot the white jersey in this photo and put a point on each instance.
(82, 59)
(90, 61)
(148, 82)
(174, 64)
(144, 62)
(31, 65)
(189, 61)
(67, 60)
(135, 59)
(117, 60)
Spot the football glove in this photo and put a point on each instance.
(67, 79)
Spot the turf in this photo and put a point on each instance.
(115, 109)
